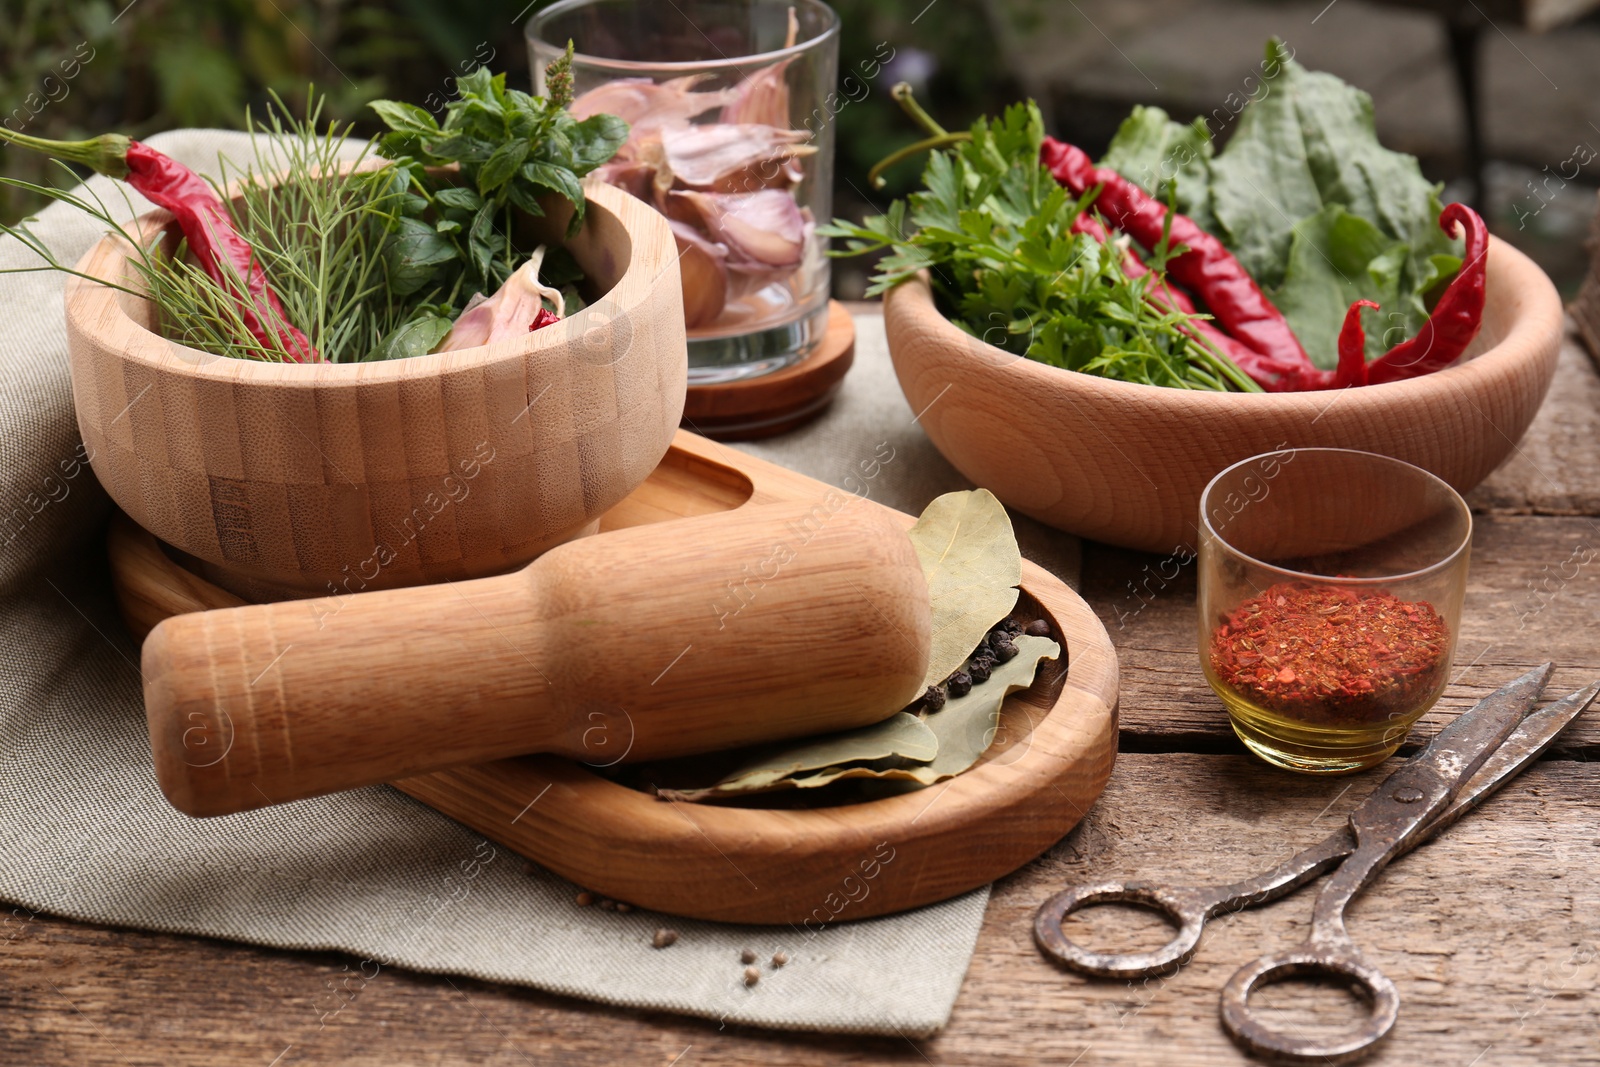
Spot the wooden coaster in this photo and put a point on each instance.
(778, 402)
(812, 867)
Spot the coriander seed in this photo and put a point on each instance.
(752, 975)
(747, 956)
(664, 937)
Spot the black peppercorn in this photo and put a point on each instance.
(959, 684)
(1038, 628)
(979, 667)
(1004, 650)
(933, 699)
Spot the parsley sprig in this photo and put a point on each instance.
(993, 230)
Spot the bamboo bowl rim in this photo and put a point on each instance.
(103, 312)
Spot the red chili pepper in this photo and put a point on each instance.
(1264, 346)
(1457, 315)
(225, 256)
(1271, 353)
(1352, 368)
(544, 318)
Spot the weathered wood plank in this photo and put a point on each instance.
(1555, 468)
(1531, 596)
(1492, 935)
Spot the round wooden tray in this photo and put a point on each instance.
(778, 402)
(809, 867)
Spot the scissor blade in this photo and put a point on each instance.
(1535, 734)
(1408, 801)
(1458, 750)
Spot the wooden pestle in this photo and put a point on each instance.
(766, 622)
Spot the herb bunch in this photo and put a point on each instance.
(321, 240)
(994, 231)
(373, 256)
(511, 148)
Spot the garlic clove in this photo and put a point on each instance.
(644, 104)
(760, 229)
(762, 98)
(742, 158)
(511, 312)
(702, 265)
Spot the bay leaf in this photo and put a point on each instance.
(966, 725)
(970, 557)
(964, 729)
(902, 736)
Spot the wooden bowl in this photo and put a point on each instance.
(287, 480)
(1126, 463)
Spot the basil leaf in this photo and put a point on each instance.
(459, 197)
(596, 140)
(411, 253)
(405, 118)
(501, 166)
(463, 148)
(559, 180)
(417, 337)
(522, 196)
(483, 243)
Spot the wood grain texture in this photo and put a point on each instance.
(292, 480)
(1555, 468)
(1586, 305)
(1125, 464)
(778, 402)
(1050, 760)
(665, 640)
(1490, 933)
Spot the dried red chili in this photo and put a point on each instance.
(544, 318)
(1271, 354)
(1457, 315)
(222, 253)
(1352, 369)
(1332, 655)
(1264, 346)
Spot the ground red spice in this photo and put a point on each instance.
(1332, 655)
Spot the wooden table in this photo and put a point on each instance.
(1492, 933)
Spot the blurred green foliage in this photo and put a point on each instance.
(75, 68)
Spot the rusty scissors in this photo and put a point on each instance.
(1463, 764)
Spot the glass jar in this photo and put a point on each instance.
(730, 104)
(1330, 592)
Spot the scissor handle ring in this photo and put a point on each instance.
(1181, 906)
(1261, 1040)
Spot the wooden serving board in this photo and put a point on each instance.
(809, 867)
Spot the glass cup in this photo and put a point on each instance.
(729, 103)
(1330, 599)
